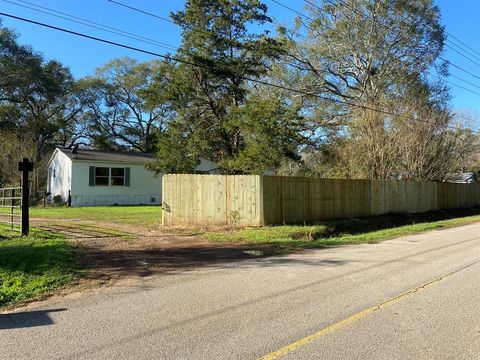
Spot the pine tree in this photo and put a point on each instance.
(217, 116)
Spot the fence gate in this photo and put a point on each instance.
(11, 208)
(14, 202)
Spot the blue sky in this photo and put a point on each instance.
(83, 56)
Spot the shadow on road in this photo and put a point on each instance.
(111, 264)
(27, 319)
(107, 264)
(109, 256)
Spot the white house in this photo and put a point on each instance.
(93, 177)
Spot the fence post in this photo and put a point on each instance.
(25, 167)
(12, 207)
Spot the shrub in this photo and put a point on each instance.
(57, 200)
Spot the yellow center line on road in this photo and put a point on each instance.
(350, 320)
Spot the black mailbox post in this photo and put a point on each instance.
(25, 167)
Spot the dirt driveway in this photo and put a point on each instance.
(112, 252)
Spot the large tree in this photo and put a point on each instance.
(211, 91)
(39, 107)
(119, 115)
(364, 61)
(360, 50)
(38, 98)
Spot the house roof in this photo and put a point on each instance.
(100, 155)
(462, 178)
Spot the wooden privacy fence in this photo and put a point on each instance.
(252, 200)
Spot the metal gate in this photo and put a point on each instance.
(11, 208)
(14, 202)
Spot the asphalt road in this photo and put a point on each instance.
(415, 297)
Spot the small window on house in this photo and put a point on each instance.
(54, 173)
(101, 176)
(118, 177)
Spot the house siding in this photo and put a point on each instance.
(206, 166)
(145, 188)
(59, 175)
(72, 177)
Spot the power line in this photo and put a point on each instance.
(292, 9)
(454, 65)
(459, 86)
(279, 4)
(461, 42)
(172, 58)
(166, 57)
(465, 81)
(460, 68)
(465, 56)
(390, 29)
(158, 17)
(309, 18)
(92, 24)
(142, 11)
(461, 49)
(470, 51)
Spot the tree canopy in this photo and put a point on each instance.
(369, 64)
(217, 116)
(347, 91)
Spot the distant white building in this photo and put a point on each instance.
(94, 178)
(462, 178)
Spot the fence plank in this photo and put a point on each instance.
(262, 200)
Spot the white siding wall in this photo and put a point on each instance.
(61, 167)
(207, 166)
(144, 186)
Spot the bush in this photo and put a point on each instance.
(57, 200)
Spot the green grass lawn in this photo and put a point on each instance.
(33, 265)
(145, 216)
(349, 231)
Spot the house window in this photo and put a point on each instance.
(117, 177)
(102, 176)
(106, 176)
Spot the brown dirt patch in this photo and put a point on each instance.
(110, 253)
